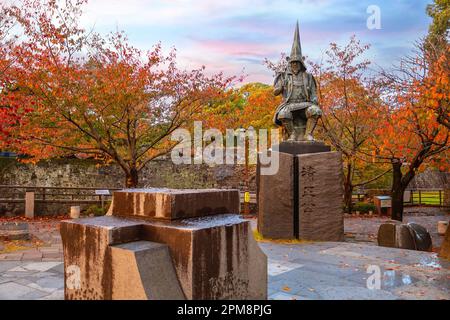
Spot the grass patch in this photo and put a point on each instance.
(259, 238)
(426, 197)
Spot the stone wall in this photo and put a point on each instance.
(89, 173)
(430, 179)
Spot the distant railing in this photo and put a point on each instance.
(70, 195)
(412, 197)
(429, 197)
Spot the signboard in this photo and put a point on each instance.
(386, 203)
(102, 192)
(247, 197)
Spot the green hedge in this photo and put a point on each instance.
(364, 207)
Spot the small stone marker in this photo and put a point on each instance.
(442, 227)
(29, 204)
(75, 212)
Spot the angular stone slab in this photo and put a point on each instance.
(171, 204)
(321, 217)
(143, 270)
(214, 257)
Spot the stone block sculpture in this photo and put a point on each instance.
(164, 244)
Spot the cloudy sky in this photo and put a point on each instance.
(236, 35)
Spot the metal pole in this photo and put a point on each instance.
(246, 201)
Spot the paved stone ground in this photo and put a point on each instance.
(48, 248)
(332, 270)
(25, 280)
(327, 270)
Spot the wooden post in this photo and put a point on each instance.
(29, 204)
(440, 199)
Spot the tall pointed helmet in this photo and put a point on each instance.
(296, 51)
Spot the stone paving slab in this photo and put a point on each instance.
(331, 270)
(321, 270)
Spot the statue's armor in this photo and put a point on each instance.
(298, 94)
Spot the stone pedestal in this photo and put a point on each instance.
(304, 198)
(148, 249)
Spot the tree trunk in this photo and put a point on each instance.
(398, 190)
(348, 190)
(131, 178)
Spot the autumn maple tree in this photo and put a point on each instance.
(348, 98)
(251, 105)
(13, 98)
(409, 134)
(102, 97)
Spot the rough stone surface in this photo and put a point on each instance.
(404, 238)
(321, 216)
(143, 270)
(214, 257)
(276, 200)
(174, 204)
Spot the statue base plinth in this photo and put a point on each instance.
(301, 147)
(303, 199)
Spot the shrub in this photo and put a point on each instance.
(95, 210)
(364, 207)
